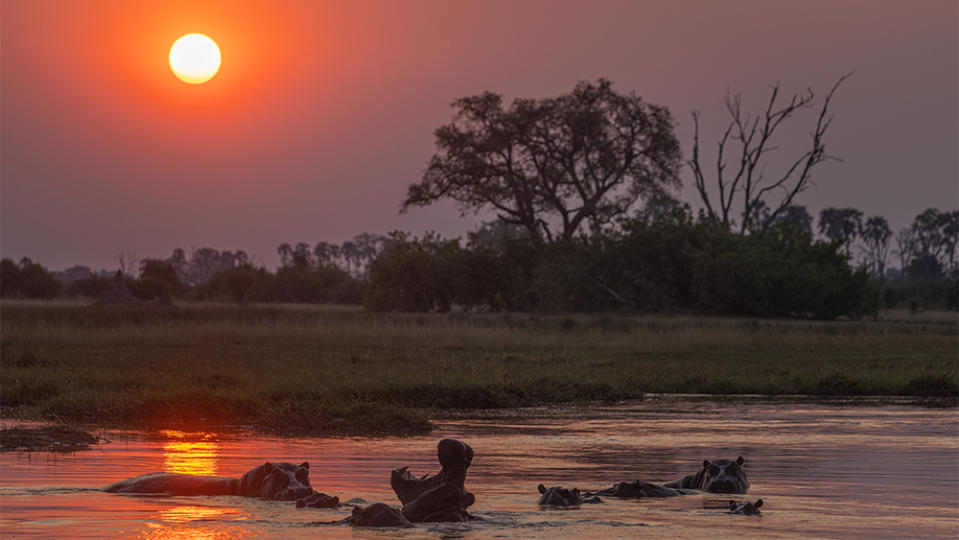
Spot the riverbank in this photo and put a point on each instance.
(316, 371)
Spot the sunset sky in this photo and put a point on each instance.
(323, 113)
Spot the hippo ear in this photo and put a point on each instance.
(305, 465)
(541, 488)
(758, 503)
(267, 467)
(335, 500)
(740, 460)
(732, 505)
(705, 463)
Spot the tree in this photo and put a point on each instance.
(303, 256)
(127, 260)
(551, 165)
(9, 278)
(285, 251)
(326, 253)
(35, 282)
(748, 190)
(158, 280)
(936, 234)
(795, 215)
(840, 225)
(875, 234)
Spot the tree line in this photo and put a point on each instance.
(664, 257)
(583, 188)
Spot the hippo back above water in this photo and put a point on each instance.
(279, 481)
(719, 476)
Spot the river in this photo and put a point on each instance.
(823, 471)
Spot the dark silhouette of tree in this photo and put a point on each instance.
(905, 249)
(840, 225)
(9, 278)
(127, 260)
(875, 234)
(326, 253)
(795, 215)
(748, 190)
(158, 281)
(27, 280)
(285, 251)
(303, 256)
(551, 165)
(936, 234)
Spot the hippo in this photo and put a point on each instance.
(442, 497)
(638, 489)
(376, 515)
(278, 481)
(720, 476)
(318, 500)
(440, 504)
(560, 497)
(745, 508)
(454, 456)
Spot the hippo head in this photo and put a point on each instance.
(724, 476)
(378, 515)
(280, 481)
(559, 496)
(318, 500)
(746, 508)
(454, 454)
(455, 457)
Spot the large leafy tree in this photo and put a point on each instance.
(552, 165)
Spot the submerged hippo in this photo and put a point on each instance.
(720, 476)
(442, 497)
(638, 489)
(746, 508)
(279, 481)
(558, 496)
(318, 500)
(377, 515)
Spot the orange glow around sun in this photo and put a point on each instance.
(195, 58)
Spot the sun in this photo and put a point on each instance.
(195, 58)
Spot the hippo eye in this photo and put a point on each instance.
(713, 470)
(302, 475)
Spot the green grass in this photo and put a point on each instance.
(339, 371)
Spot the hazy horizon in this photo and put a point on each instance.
(323, 113)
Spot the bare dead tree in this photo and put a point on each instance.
(127, 259)
(748, 187)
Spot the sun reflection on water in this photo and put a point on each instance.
(190, 453)
(190, 521)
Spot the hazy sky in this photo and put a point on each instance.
(323, 112)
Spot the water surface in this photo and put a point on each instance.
(822, 470)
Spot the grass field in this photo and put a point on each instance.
(309, 370)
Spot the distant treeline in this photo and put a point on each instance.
(564, 176)
(664, 258)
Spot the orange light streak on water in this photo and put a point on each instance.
(185, 454)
